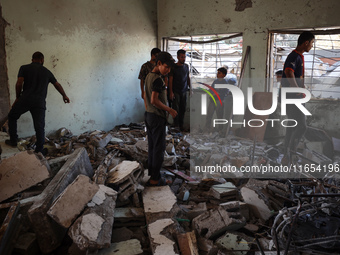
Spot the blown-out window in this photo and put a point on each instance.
(205, 54)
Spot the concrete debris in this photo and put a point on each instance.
(126, 176)
(160, 244)
(92, 187)
(20, 172)
(49, 233)
(214, 222)
(92, 230)
(235, 243)
(64, 214)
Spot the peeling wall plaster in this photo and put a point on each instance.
(95, 50)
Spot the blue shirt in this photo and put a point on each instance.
(294, 62)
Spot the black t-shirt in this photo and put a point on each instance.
(36, 80)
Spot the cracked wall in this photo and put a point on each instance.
(94, 49)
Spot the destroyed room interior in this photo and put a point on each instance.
(243, 168)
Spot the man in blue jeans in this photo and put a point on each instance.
(179, 82)
(31, 92)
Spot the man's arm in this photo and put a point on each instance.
(62, 92)
(142, 87)
(18, 88)
(291, 77)
(156, 102)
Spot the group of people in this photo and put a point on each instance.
(161, 80)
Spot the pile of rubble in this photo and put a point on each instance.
(88, 196)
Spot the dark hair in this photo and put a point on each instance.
(165, 58)
(155, 51)
(223, 70)
(181, 52)
(305, 36)
(37, 55)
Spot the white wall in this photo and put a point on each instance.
(93, 47)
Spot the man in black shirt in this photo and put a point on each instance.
(31, 92)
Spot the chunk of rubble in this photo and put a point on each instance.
(237, 243)
(49, 233)
(216, 221)
(126, 176)
(72, 200)
(20, 172)
(93, 229)
(160, 244)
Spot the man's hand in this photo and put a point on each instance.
(172, 96)
(191, 92)
(66, 99)
(173, 113)
(142, 94)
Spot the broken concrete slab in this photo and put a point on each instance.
(101, 141)
(73, 200)
(237, 206)
(93, 229)
(126, 176)
(129, 247)
(224, 190)
(216, 221)
(237, 243)
(160, 244)
(21, 172)
(159, 202)
(49, 233)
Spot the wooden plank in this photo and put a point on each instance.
(9, 230)
(181, 174)
(187, 243)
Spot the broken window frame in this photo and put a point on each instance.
(310, 80)
(210, 42)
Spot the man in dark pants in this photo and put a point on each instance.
(179, 82)
(31, 92)
(156, 114)
(293, 76)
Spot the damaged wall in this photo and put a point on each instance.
(251, 17)
(4, 89)
(95, 50)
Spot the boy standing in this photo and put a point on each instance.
(156, 114)
(221, 74)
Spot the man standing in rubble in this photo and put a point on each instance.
(293, 76)
(156, 116)
(31, 92)
(179, 82)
